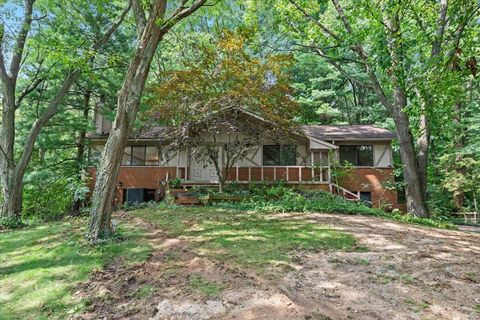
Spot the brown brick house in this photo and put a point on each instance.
(307, 160)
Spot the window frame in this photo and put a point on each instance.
(144, 156)
(357, 154)
(279, 158)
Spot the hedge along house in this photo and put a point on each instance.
(308, 157)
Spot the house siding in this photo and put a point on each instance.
(374, 181)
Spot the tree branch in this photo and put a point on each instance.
(325, 30)
(180, 13)
(441, 24)
(21, 39)
(140, 17)
(3, 71)
(106, 36)
(377, 87)
(52, 108)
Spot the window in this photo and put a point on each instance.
(140, 156)
(279, 155)
(361, 155)
(366, 198)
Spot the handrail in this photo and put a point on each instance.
(345, 192)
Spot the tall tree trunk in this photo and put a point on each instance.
(79, 158)
(423, 145)
(11, 207)
(11, 202)
(459, 193)
(416, 204)
(128, 104)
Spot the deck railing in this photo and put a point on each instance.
(280, 173)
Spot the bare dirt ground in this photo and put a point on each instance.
(406, 272)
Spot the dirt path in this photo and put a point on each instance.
(405, 272)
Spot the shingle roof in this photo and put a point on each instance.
(149, 133)
(347, 132)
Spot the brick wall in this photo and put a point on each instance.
(374, 181)
(137, 177)
(362, 179)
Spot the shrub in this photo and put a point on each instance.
(280, 198)
(11, 223)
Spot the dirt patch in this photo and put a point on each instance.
(116, 291)
(399, 271)
(407, 273)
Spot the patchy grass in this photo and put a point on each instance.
(39, 267)
(145, 291)
(417, 306)
(250, 239)
(205, 287)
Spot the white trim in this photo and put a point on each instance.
(322, 142)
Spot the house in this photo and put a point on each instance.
(310, 157)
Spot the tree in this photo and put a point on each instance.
(375, 35)
(150, 32)
(15, 90)
(201, 103)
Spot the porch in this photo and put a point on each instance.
(286, 174)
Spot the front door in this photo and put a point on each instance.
(204, 172)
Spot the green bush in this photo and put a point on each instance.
(281, 198)
(47, 196)
(11, 223)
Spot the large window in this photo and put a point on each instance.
(279, 155)
(140, 156)
(361, 155)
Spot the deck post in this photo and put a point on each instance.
(261, 172)
(329, 173)
(300, 173)
(178, 163)
(236, 173)
(312, 163)
(249, 174)
(321, 166)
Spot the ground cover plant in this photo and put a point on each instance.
(281, 198)
(41, 265)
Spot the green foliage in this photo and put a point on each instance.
(281, 198)
(42, 265)
(48, 195)
(175, 183)
(11, 222)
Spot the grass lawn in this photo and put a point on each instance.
(258, 240)
(39, 266)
